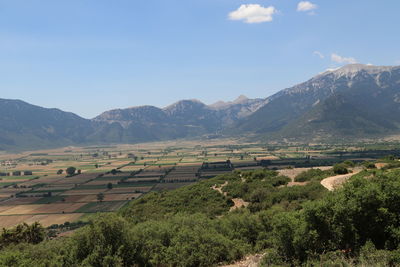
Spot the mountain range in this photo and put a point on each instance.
(352, 102)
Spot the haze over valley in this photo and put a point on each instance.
(352, 102)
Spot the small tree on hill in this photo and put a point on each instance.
(110, 186)
(100, 197)
(340, 169)
(369, 165)
(71, 171)
(60, 171)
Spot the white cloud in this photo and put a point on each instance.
(343, 60)
(317, 53)
(306, 6)
(253, 13)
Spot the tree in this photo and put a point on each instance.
(340, 169)
(71, 171)
(100, 197)
(60, 171)
(22, 233)
(110, 186)
(369, 165)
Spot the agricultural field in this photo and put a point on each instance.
(35, 186)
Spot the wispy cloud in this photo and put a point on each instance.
(317, 53)
(253, 13)
(304, 6)
(343, 60)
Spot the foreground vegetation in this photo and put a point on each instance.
(358, 224)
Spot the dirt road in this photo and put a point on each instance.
(333, 182)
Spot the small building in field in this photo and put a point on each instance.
(28, 173)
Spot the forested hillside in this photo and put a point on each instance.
(197, 225)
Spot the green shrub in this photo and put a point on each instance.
(349, 163)
(312, 175)
(369, 165)
(22, 233)
(340, 169)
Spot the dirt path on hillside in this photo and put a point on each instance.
(333, 182)
(249, 261)
(380, 165)
(219, 188)
(292, 173)
(237, 202)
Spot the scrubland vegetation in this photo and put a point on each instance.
(290, 221)
(358, 224)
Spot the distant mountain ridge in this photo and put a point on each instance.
(26, 126)
(352, 102)
(182, 119)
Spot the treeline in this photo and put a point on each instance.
(192, 226)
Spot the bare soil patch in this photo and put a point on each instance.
(10, 221)
(380, 165)
(219, 188)
(41, 208)
(238, 203)
(249, 261)
(333, 182)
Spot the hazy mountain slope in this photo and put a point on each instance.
(242, 107)
(369, 107)
(356, 100)
(27, 126)
(184, 118)
(147, 123)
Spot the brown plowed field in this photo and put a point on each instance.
(40, 208)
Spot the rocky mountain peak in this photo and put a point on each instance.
(351, 70)
(241, 99)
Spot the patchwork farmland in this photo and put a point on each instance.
(41, 186)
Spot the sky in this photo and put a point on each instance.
(89, 56)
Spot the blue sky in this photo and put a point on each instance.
(88, 56)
